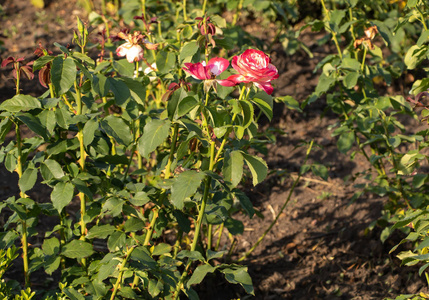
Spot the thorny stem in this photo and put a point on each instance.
(151, 226)
(295, 183)
(121, 272)
(81, 165)
(204, 6)
(24, 240)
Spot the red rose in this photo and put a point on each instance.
(254, 66)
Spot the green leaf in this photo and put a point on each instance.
(351, 79)
(137, 90)
(345, 142)
(89, 131)
(199, 274)
(100, 231)
(233, 167)
(161, 249)
(165, 61)
(54, 169)
(113, 206)
(188, 50)
(123, 67)
(324, 84)
(51, 246)
(77, 249)
(5, 126)
(412, 3)
(116, 241)
(34, 124)
(154, 134)
(139, 199)
(257, 166)
(62, 195)
(185, 185)
(173, 102)
(290, 102)
(20, 103)
(120, 90)
(234, 226)
(266, 106)
(412, 57)
(133, 225)
(63, 74)
(247, 113)
(28, 179)
(320, 170)
(245, 202)
(240, 276)
(186, 105)
(118, 129)
(42, 61)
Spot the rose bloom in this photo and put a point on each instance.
(254, 66)
(132, 52)
(132, 49)
(209, 71)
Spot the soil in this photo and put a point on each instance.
(323, 246)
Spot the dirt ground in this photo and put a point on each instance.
(321, 247)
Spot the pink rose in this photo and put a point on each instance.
(209, 71)
(254, 66)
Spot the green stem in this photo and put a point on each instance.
(81, 165)
(204, 6)
(151, 226)
(237, 12)
(172, 151)
(24, 240)
(18, 73)
(121, 272)
(362, 66)
(185, 17)
(209, 236)
(422, 17)
(295, 183)
(221, 226)
(199, 222)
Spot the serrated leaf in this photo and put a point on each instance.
(118, 129)
(188, 50)
(199, 274)
(100, 231)
(165, 61)
(28, 179)
(265, 106)
(5, 126)
(34, 124)
(154, 134)
(20, 103)
(290, 102)
(186, 105)
(54, 168)
(351, 79)
(233, 167)
(116, 241)
(185, 185)
(89, 131)
(240, 276)
(51, 246)
(133, 225)
(257, 166)
(62, 195)
(77, 249)
(63, 74)
(120, 90)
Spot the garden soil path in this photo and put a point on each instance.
(322, 246)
